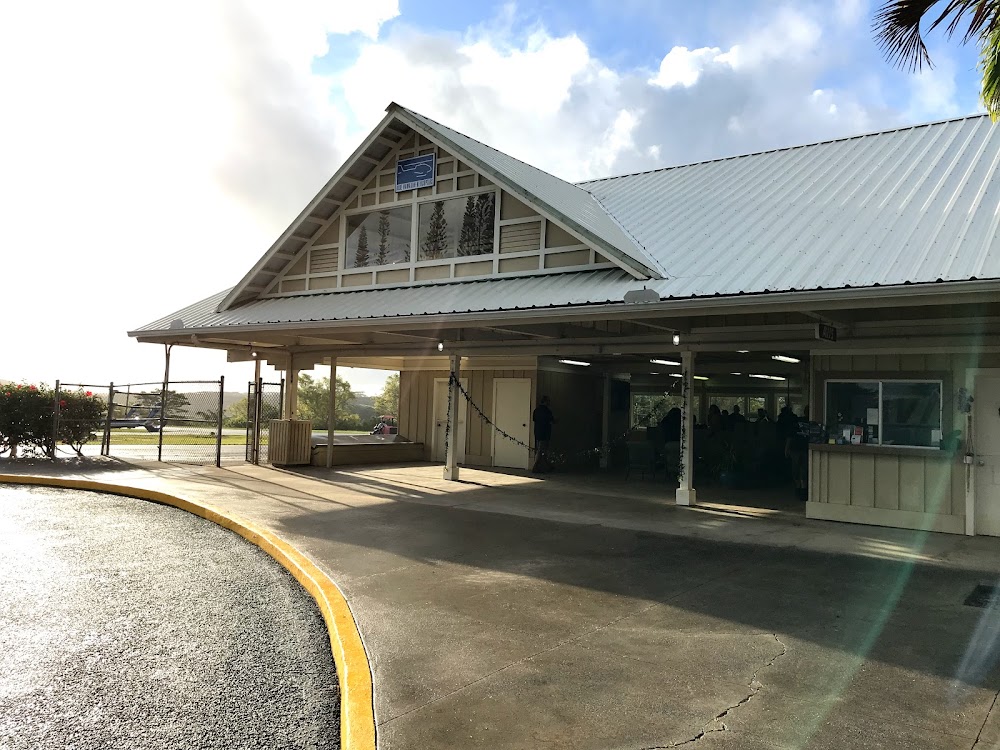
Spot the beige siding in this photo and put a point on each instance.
(416, 409)
(512, 208)
(888, 490)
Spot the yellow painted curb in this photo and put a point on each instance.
(357, 716)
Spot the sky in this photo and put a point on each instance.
(150, 153)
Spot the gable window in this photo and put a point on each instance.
(457, 227)
(380, 238)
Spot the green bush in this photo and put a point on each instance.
(26, 419)
(81, 417)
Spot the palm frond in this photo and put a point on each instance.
(897, 26)
(989, 65)
(897, 31)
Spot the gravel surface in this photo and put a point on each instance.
(126, 624)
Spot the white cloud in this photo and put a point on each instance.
(150, 155)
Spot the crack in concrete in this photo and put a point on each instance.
(986, 720)
(717, 724)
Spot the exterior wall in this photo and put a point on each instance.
(910, 489)
(524, 242)
(917, 488)
(416, 409)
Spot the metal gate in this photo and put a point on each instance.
(264, 403)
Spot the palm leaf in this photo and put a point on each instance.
(897, 26)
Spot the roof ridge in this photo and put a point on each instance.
(867, 134)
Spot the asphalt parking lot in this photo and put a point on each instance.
(126, 624)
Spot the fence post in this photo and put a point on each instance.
(163, 399)
(218, 432)
(258, 424)
(106, 442)
(55, 421)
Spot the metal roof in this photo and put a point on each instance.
(916, 205)
(919, 204)
(568, 202)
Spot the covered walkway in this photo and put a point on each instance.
(634, 624)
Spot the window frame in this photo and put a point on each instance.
(881, 405)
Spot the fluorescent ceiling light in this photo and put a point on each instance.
(668, 362)
(675, 375)
(736, 373)
(575, 362)
(783, 358)
(767, 377)
(699, 377)
(742, 351)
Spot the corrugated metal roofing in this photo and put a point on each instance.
(558, 290)
(577, 206)
(916, 205)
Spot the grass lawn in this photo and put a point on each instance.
(172, 438)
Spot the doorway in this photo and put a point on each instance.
(512, 414)
(986, 417)
(441, 420)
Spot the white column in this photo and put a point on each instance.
(331, 422)
(686, 494)
(451, 458)
(291, 388)
(606, 422)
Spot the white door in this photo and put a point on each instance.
(512, 414)
(987, 447)
(441, 419)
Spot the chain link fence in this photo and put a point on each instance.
(264, 402)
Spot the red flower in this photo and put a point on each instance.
(89, 393)
(62, 404)
(32, 387)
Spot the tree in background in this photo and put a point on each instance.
(387, 402)
(314, 402)
(468, 236)
(236, 414)
(484, 212)
(897, 31)
(361, 255)
(382, 256)
(436, 239)
(177, 403)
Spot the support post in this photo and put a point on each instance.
(606, 423)
(451, 456)
(106, 440)
(291, 389)
(257, 402)
(163, 400)
(55, 421)
(686, 494)
(331, 422)
(218, 426)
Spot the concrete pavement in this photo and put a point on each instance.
(505, 612)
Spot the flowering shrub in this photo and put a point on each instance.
(81, 416)
(26, 419)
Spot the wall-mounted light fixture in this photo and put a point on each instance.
(440, 346)
(677, 339)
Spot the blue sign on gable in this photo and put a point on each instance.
(415, 172)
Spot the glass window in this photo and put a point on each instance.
(888, 412)
(911, 414)
(649, 408)
(381, 238)
(853, 405)
(457, 228)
